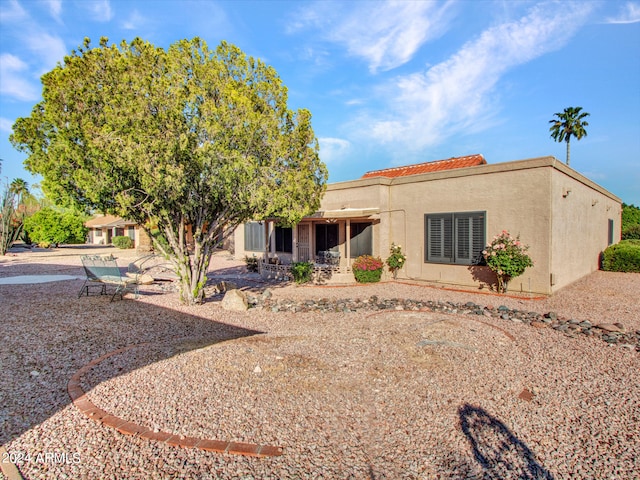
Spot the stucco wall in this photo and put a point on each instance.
(513, 200)
(580, 225)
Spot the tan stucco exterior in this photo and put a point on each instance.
(563, 217)
(103, 228)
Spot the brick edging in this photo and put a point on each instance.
(89, 409)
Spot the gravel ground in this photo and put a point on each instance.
(372, 395)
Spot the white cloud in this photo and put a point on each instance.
(100, 10)
(6, 125)
(48, 48)
(12, 11)
(55, 8)
(457, 95)
(135, 21)
(629, 13)
(385, 34)
(14, 81)
(332, 150)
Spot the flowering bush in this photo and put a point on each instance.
(507, 257)
(396, 261)
(367, 269)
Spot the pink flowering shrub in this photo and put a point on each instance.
(507, 257)
(367, 269)
(396, 260)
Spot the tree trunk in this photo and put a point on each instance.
(568, 151)
(191, 267)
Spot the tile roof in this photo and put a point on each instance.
(427, 167)
(103, 221)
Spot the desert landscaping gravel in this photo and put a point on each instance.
(351, 381)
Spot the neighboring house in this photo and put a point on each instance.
(444, 213)
(103, 228)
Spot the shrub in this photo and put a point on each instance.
(622, 257)
(301, 271)
(122, 242)
(507, 257)
(367, 269)
(631, 233)
(252, 263)
(630, 216)
(53, 227)
(396, 260)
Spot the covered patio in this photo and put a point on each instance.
(331, 239)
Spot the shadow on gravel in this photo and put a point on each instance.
(499, 452)
(48, 334)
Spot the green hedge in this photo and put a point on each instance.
(622, 257)
(631, 233)
(122, 242)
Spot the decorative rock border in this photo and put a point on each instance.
(612, 333)
(90, 410)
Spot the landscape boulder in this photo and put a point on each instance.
(235, 300)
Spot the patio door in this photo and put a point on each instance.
(304, 242)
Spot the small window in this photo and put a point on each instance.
(457, 238)
(98, 233)
(254, 237)
(611, 239)
(284, 239)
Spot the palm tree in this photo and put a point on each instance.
(567, 124)
(20, 188)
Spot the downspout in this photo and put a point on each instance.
(552, 279)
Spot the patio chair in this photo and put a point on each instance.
(104, 271)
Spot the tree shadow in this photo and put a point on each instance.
(485, 276)
(49, 334)
(497, 450)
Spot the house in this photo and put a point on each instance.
(103, 228)
(443, 214)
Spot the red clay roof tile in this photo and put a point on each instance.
(427, 167)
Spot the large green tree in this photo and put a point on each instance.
(186, 139)
(567, 124)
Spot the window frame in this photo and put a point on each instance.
(452, 228)
(323, 240)
(282, 242)
(611, 232)
(251, 237)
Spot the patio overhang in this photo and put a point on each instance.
(119, 224)
(346, 213)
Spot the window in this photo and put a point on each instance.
(326, 237)
(254, 237)
(98, 233)
(361, 239)
(284, 239)
(455, 237)
(611, 241)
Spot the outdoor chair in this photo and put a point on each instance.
(104, 271)
(151, 267)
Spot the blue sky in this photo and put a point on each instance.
(388, 83)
